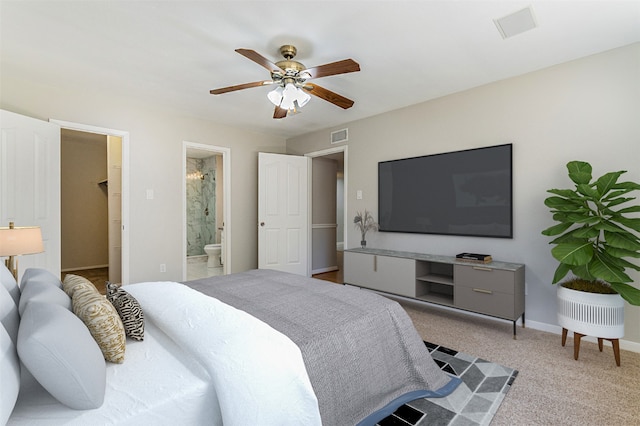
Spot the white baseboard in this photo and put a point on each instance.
(556, 329)
(323, 270)
(84, 268)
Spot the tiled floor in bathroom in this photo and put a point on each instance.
(197, 268)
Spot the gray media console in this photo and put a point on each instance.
(495, 289)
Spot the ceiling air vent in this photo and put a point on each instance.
(516, 23)
(340, 136)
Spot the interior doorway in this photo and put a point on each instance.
(108, 184)
(206, 211)
(329, 180)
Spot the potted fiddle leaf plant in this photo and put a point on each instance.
(594, 240)
(364, 222)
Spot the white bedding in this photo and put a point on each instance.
(201, 362)
(158, 384)
(258, 372)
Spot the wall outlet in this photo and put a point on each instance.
(359, 194)
(163, 267)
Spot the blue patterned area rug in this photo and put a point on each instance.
(474, 402)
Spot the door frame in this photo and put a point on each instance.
(124, 135)
(226, 201)
(345, 152)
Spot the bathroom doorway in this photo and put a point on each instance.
(206, 211)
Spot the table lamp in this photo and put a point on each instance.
(16, 241)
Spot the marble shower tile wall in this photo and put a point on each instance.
(201, 212)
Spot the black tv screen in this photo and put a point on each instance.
(456, 193)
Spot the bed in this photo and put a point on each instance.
(258, 347)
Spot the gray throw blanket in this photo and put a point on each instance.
(361, 350)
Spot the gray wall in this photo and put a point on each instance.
(586, 109)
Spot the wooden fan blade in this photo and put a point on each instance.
(328, 95)
(279, 112)
(340, 67)
(259, 59)
(239, 87)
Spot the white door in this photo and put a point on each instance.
(30, 183)
(283, 213)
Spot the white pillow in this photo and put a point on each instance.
(39, 275)
(10, 373)
(9, 316)
(58, 350)
(9, 282)
(42, 291)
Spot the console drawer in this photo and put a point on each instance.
(478, 276)
(485, 302)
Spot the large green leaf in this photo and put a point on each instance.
(626, 264)
(560, 216)
(616, 201)
(607, 181)
(628, 293)
(564, 204)
(632, 186)
(633, 223)
(606, 225)
(619, 253)
(573, 253)
(632, 209)
(623, 240)
(615, 194)
(589, 191)
(560, 273)
(583, 218)
(579, 171)
(586, 232)
(582, 271)
(602, 268)
(556, 229)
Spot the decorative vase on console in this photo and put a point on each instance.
(364, 222)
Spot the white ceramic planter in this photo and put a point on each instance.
(591, 314)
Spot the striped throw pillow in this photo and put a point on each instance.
(129, 310)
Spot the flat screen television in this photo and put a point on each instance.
(455, 193)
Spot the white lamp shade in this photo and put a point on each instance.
(20, 240)
(303, 98)
(275, 96)
(289, 95)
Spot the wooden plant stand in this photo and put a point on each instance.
(576, 344)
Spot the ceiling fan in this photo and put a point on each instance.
(290, 78)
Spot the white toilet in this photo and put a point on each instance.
(213, 251)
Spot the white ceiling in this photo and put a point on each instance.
(173, 52)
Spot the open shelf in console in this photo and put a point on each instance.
(434, 282)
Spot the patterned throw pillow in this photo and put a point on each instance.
(129, 310)
(100, 317)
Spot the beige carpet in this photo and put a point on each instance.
(552, 388)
